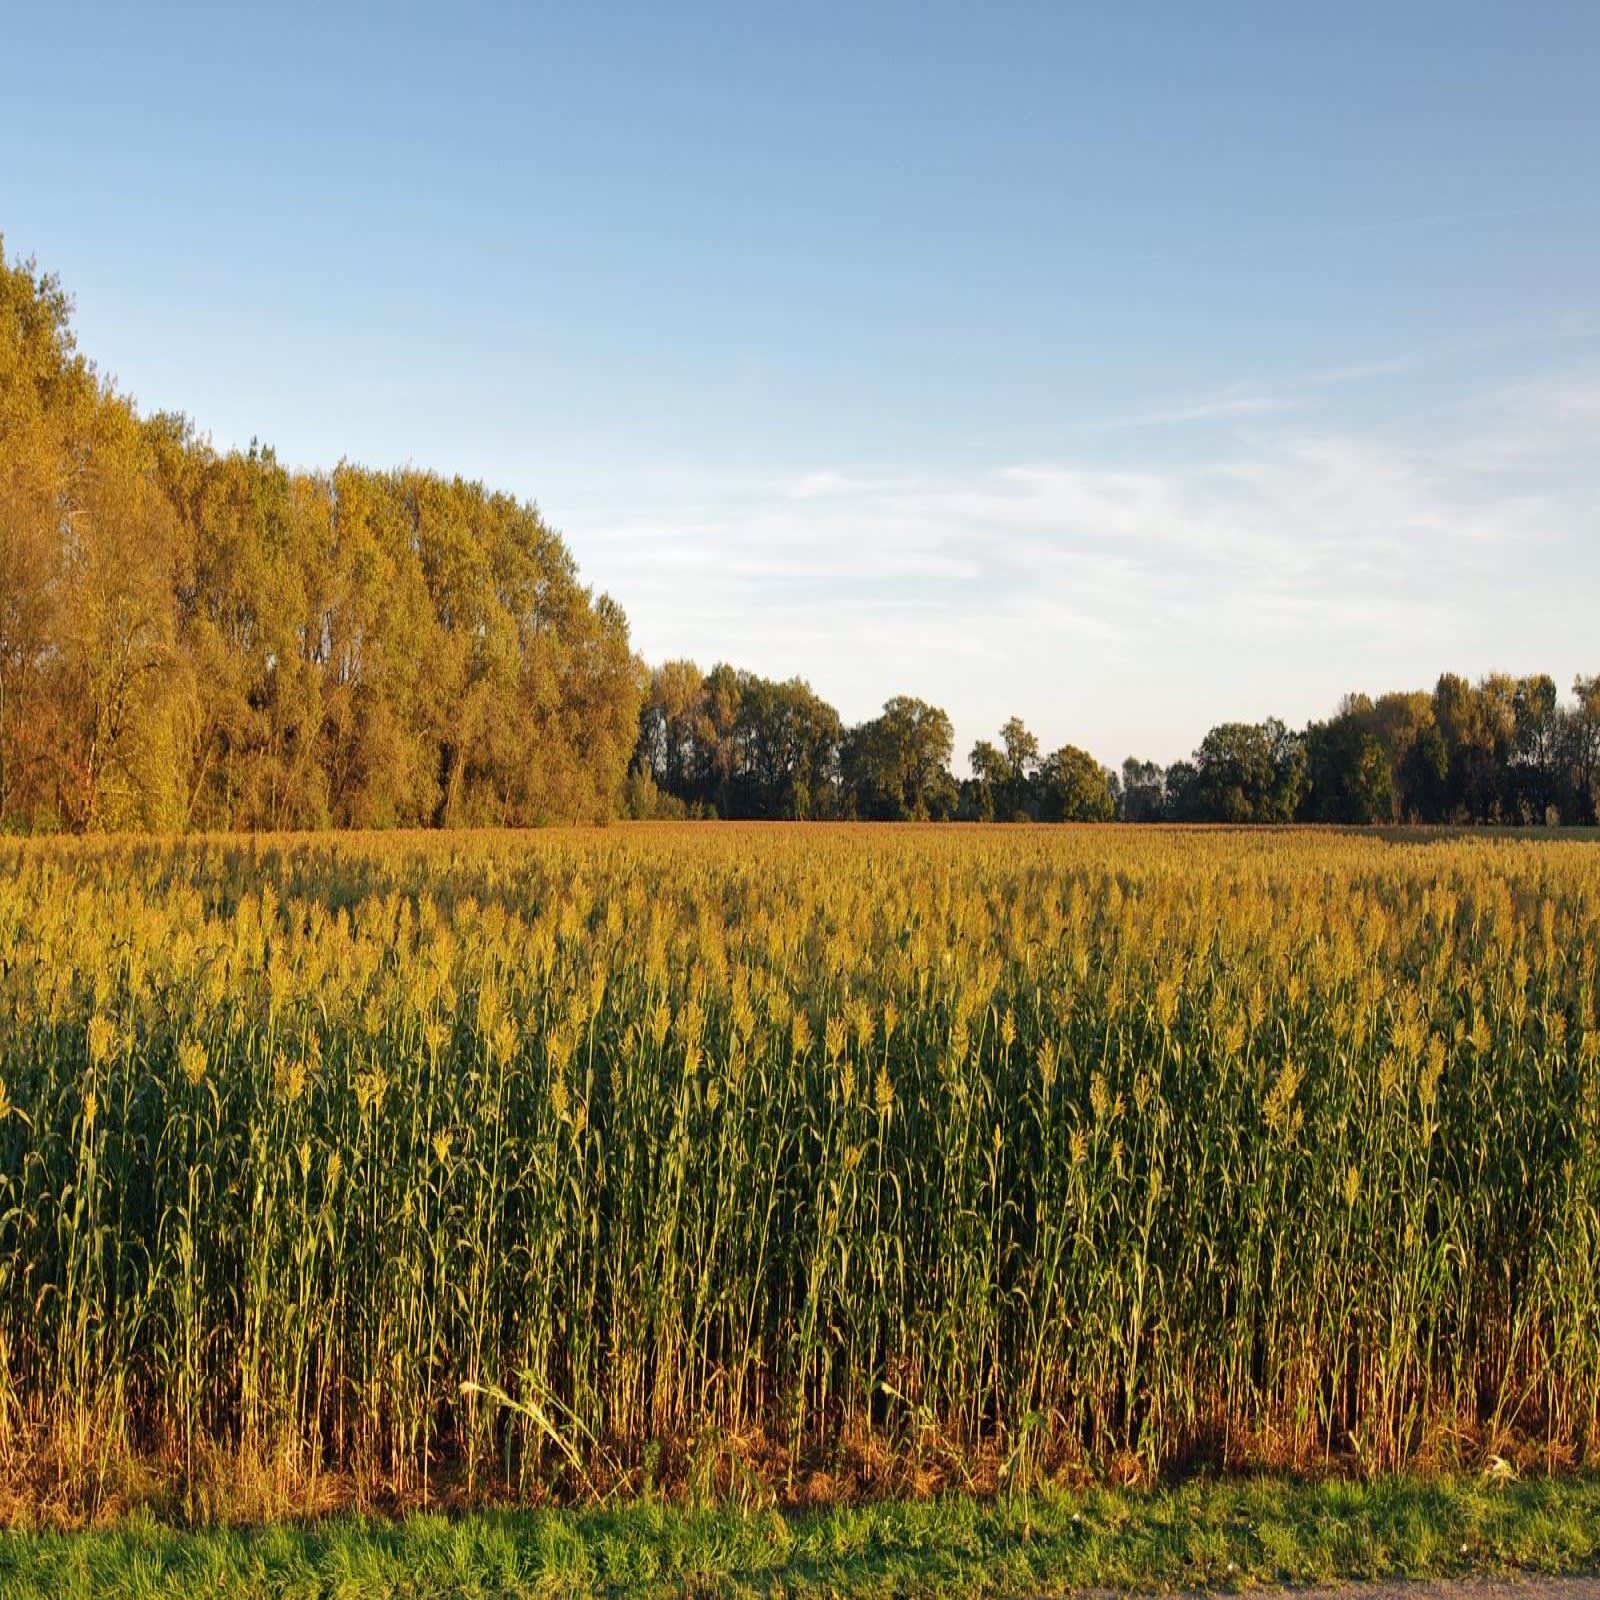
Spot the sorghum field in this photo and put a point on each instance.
(789, 1161)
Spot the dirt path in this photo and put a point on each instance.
(1531, 1587)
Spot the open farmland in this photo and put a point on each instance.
(795, 1161)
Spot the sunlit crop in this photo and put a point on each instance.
(522, 1164)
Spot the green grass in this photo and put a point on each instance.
(1231, 1535)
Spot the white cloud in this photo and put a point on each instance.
(1128, 609)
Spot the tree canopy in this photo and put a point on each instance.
(1503, 750)
(192, 638)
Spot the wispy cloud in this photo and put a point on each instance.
(1124, 607)
(1265, 396)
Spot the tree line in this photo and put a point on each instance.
(196, 639)
(200, 639)
(727, 743)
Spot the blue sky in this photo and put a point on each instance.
(1127, 367)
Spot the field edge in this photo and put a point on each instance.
(1226, 1535)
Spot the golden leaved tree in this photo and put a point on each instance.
(192, 638)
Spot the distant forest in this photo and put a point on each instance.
(1502, 750)
(194, 639)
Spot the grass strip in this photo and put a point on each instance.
(1230, 1535)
